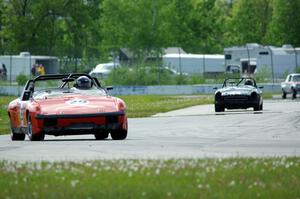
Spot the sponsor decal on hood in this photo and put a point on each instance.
(77, 101)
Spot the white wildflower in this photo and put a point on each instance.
(157, 171)
(232, 183)
(74, 183)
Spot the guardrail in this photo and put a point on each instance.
(153, 90)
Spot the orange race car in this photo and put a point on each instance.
(67, 104)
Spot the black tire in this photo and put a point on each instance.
(31, 136)
(16, 136)
(118, 134)
(261, 107)
(283, 95)
(219, 108)
(101, 135)
(294, 95)
(256, 107)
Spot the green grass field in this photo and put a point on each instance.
(190, 178)
(4, 121)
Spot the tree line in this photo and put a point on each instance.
(93, 29)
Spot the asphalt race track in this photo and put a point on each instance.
(195, 132)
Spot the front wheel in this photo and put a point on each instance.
(101, 135)
(257, 107)
(16, 136)
(31, 135)
(294, 93)
(283, 94)
(261, 107)
(119, 134)
(219, 108)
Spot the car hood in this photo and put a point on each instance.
(237, 90)
(77, 104)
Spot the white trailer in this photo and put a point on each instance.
(280, 60)
(195, 63)
(22, 64)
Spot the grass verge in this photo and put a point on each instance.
(4, 121)
(183, 178)
(147, 105)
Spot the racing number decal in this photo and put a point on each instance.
(77, 101)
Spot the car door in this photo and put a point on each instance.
(22, 113)
(287, 84)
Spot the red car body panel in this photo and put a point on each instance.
(68, 113)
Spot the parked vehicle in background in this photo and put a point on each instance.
(238, 93)
(233, 69)
(291, 85)
(103, 70)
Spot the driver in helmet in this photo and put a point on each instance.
(83, 83)
(249, 82)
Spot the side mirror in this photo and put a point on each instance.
(109, 88)
(26, 95)
(215, 88)
(260, 87)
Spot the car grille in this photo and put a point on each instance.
(236, 97)
(112, 119)
(50, 122)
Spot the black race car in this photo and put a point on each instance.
(238, 93)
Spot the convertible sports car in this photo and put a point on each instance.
(67, 104)
(238, 93)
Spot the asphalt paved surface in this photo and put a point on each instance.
(195, 132)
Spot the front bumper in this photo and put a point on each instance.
(238, 101)
(70, 124)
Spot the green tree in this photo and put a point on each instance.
(179, 24)
(56, 27)
(141, 26)
(207, 26)
(249, 22)
(284, 28)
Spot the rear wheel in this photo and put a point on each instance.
(118, 134)
(33, 137)
(101, 135)
(219, 108)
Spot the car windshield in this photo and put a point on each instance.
(236, 82)
(296, 78)
(49, 93)
(52, 88)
